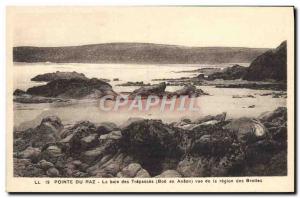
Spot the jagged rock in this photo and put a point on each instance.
(73, 89)
(169, 174)
(247, 129)
(145, 91)
(270, 65)
(52, 172)
(58, 75)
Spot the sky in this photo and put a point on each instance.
(190, 26)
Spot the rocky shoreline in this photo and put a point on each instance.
(205, 147)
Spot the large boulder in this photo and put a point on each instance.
(247, 129)
(150, 142)
(58, 75)
(73, 88)
(270, 65)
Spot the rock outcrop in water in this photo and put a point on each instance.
(145, 91)
(211, 146)
(270, 65)
(159, 90)
(73, 89)
(59, 75)
(229, 73)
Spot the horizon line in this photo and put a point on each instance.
(174, 45)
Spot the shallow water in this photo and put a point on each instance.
(220, 99)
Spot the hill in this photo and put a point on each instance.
(140, 53)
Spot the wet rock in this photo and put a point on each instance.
(247, 129)
(73, 89)
(58, 75)
(155, 90)
(169, 174)
(53, 172)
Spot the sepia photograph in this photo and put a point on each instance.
(150, 94)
